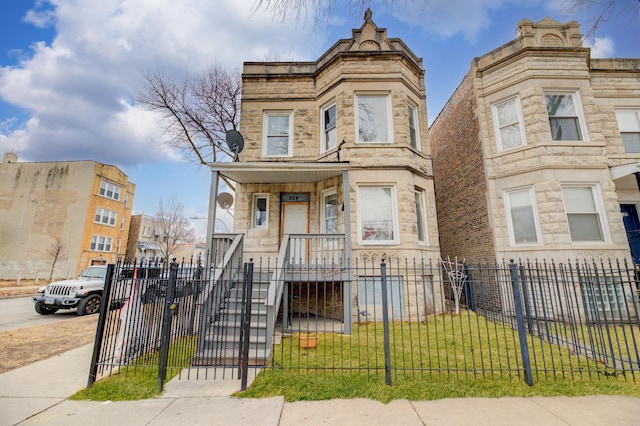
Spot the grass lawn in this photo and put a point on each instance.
(446, 357)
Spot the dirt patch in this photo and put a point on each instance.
(23, 283)
(27, 345)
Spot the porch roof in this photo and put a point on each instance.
(278, 172)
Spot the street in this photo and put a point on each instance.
(18, 312)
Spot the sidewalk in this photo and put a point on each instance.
(37, 394)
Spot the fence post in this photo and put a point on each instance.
(385, 323)
(169, 308)
(104, 309)
(522, 333)
(246, 323)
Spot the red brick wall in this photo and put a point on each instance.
(460, 180)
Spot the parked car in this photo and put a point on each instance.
(83, 293)
(187, 284)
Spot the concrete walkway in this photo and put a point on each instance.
(37, 394)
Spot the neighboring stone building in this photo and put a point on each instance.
(538, 151)
(82, 207)
(337, 147)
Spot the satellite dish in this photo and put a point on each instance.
(225, 200)
(235, 141)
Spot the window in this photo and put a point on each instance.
(330, 211)
(373, 118)
(105, 217)
(629, 123)
(109, 190)
(584, 212)
(100, 243)
(564, 119)
(328, 127)
(604, 297)
(420, 202)
(277, 140)
(507, 117)
(377, 216)
(522, 219)
(414, 134)
(260, 210)
(370, 297)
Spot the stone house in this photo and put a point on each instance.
(143, 242)
(81, 207)
(537, 153)
(336, 150)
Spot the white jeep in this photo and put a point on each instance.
(83, 293)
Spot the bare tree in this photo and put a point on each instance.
(601, 11)
(320, 11)
(174, 226)
(56, 253)
(198, 110)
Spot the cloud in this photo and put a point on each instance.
(450, 17)
(602, 47)
(78, 89)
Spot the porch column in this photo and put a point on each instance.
(346, 293)
(211, 217)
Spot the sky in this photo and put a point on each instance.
(70, 70)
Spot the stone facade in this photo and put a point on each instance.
(41, 203)
(374, 87)
(475, 173)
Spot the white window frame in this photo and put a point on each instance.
(420, 196)
(389, 118)
(534, 209)
(625, 129)
(598, 202)
(362, 206)
(412, 111)
(254, 211)
(499, 126)
(109, 190)
(101, 243)
(323, 213)
(102, 214)
(325, 144)
(577, 102)
(265, 133)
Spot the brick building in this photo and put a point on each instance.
(82, 207)
(536, 154)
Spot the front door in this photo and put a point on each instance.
(632, 226)
(294, 219)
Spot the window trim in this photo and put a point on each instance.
(394, 213)
(106, 186)
(598, 201)
(582, 124)
(323, 218)
(389, 110)
(497, 125)
(412, 111)
(265, 132)
(323, 131)
(254, 205)
(536, 218)
(107, 243)
(101, 213)
(421, 193)
(633, 109)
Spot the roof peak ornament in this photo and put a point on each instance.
(367, 14)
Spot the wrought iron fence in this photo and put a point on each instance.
(393, 317)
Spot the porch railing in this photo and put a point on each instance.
(301, 251)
